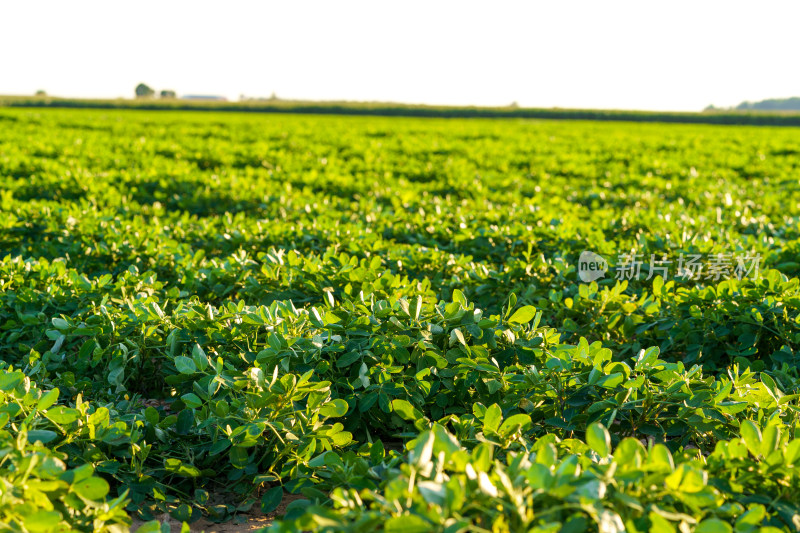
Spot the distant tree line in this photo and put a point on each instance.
(145, 91)
(772, 104)
(734, 117)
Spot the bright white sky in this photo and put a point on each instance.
(668, 55)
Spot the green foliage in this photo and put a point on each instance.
(201, 313)
(556, 485)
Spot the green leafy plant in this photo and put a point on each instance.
(203, 313)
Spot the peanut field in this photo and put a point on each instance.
(400, 325)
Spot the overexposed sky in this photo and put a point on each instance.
(674, 55)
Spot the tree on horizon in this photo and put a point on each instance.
(144, 91)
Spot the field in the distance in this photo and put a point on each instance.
(201, 313)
